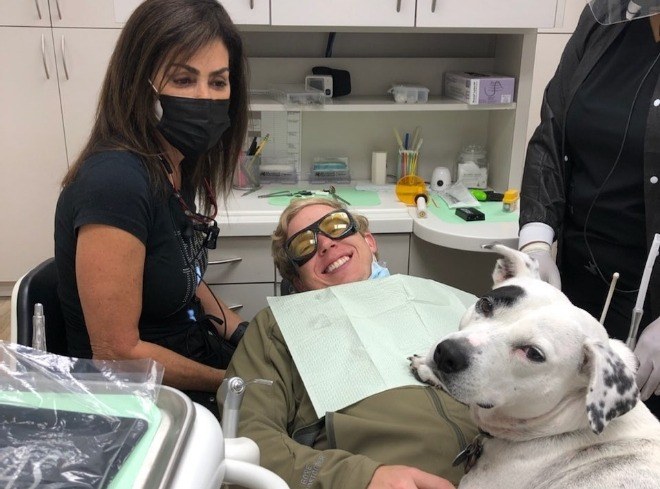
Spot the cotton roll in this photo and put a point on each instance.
(379, 167)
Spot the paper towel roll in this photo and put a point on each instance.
(379, 167)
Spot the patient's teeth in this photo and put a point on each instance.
(336, 264)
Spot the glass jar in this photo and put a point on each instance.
(472, 166)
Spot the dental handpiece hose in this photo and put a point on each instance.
(638, 311)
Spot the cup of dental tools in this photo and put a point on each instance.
(407, 163)
(246, 175)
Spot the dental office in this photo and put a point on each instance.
(415, 114)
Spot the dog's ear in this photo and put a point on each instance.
(612, 390)
(513, 263)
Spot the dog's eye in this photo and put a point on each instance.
(533, 354)
(485, 306)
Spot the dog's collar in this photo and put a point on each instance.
(471, 453)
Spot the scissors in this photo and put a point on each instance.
(288, 193)
(333, 192)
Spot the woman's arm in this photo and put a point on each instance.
(109, 269)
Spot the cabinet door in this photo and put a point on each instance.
(24, 13)
(253, 12)
(395, 13)
(33, 156)
(86, 13)
(393, 250)
(82, 60)
(486, 13)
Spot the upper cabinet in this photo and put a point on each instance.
(486, 13)
(248, 12)
(115, 13)
(83, 13)
(349, 13)
(24, 13)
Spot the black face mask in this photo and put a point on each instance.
(193, 125)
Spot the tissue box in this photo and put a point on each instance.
(479, 88)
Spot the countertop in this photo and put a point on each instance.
(249, 215)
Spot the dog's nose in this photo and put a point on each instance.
(451, 356)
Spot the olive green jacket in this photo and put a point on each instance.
(417, 426)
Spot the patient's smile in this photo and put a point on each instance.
(337, 263)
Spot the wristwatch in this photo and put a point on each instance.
(238, 333)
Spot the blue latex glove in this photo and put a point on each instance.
(648, 353)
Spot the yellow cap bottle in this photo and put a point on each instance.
(510, 200)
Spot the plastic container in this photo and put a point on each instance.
(409, 94)
(330, 170)
(246, 176)
(295, 94)
(472, 166)
(510, 200)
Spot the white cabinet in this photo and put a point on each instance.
(242, 274)
(393, 249)
(252, 12)
(24, 13)
(32, 142)
(82, 59)
(381, 13)
(486, 13)
(86, 13)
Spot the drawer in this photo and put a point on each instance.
(240, 259)
(245, 299)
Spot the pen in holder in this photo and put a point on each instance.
(407, 163)
(246, 176)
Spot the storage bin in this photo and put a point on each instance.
(409, 94)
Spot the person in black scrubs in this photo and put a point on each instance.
(592, 169)
(130, 242)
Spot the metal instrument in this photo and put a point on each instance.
(333, 192)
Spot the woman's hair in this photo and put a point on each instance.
(285, 266)
(158, 34)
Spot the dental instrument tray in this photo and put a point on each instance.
(330, 170)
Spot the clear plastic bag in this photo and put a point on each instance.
(68, 422)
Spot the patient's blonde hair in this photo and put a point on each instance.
(287, 269)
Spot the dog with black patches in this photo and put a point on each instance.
(555, 398)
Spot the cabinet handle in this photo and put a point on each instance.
(66, 70)
(235, 307)
(433, 3)
(225, 261)
(398, 5)
(43, 56)
(251, 4)
(36, 2)
(59, 10)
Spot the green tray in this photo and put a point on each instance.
(359, 198)
(492, 210)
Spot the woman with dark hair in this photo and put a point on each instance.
(130, 243)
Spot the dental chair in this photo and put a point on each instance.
(38, 285)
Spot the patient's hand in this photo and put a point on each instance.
(423, 372)
(404, 477)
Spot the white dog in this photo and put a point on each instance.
(555, 398)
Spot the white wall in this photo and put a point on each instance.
(549, 46)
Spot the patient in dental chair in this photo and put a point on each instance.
(405, 436)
